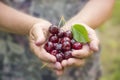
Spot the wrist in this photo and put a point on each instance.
(69, 24)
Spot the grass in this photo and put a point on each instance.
(110, 40)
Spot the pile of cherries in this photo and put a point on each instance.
(61, 44)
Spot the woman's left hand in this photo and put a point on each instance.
(79, 56)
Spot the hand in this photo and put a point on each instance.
(37, 37)
(86, 51)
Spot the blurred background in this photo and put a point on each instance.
(109, 34)
(110, 39)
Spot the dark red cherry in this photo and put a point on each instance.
(65, 39)
(77, 46)
(61, 34)
(53, 39)
(73, 41)
(59, 57)
(63, 55)
(49, 46)
(66, 46)
(58, 46)
(53, 29)
(68, 34)
(54, 52)
(68, 54)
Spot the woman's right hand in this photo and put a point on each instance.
(37, 37)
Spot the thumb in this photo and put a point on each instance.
(40, 38)
(94, 44)
(38, 34)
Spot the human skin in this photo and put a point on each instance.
(36, 29)
(92, 15)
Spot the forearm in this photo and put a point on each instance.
(94, 13)
(14, 21)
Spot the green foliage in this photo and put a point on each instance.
(116, 13)
(80, 34)
(110, 36)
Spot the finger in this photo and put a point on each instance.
(83, 53)
(75, 62)
(42, 54)
(55, 66)
(59, 72)
(46, 56)
(38, 34)
(64, 63)
(94, 41)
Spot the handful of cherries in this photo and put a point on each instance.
(61, 44)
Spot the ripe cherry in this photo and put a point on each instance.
(58, 46)
(77, 46)
(54, 52)
(68, 34)
(61, 34)
(53, 29)
(59, 57)
(53, 39)
(49, 46)
(61, 44)
(65, 39)
(63, 55)
(68, 54)
(66, 46)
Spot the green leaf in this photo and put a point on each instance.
(80, 33)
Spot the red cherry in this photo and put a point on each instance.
(66, 46)
(77, 46)
(48, 46)
(68, 34)
(54, 52)
(63, 55)
(60, 43)
(73, 41)
(58, 46)
(68, 54)
(59, 57)
(53, 38)
(61, 34)
(65, 39)
(53, 29)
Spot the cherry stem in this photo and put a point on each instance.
(44, 65)
(62, 20)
